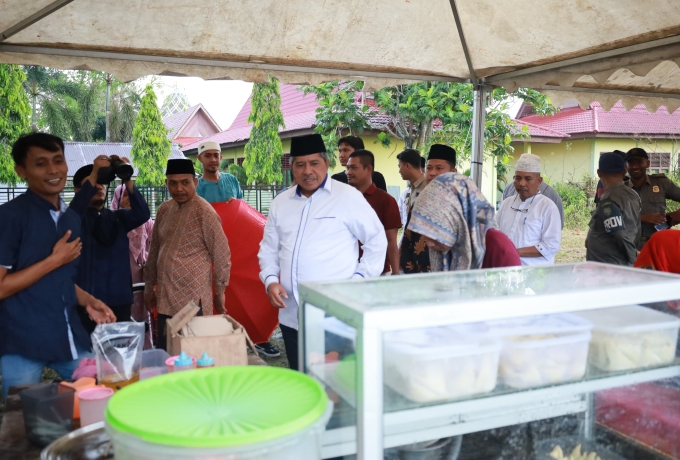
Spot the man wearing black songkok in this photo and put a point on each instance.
(189, 251)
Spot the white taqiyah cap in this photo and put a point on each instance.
(529, 162)
(208, 145)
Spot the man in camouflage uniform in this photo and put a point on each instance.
(654, 190)
(615, 224)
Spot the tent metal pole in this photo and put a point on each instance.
(32, 19)
(463, 42)
(192, 61)
(478, 125)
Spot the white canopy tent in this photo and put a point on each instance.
(605, 50)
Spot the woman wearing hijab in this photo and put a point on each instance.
(140, 242)
(458, 223)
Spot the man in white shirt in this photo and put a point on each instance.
(312, 234)
(530, 219)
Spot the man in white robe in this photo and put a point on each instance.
(312, 233)
(530, 219)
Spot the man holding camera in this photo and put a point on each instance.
(104, 269)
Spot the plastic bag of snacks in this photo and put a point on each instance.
(118, 349)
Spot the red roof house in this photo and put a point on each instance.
(195, 124)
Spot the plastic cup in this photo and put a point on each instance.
(92, 404)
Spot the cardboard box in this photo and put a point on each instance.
(222, 337)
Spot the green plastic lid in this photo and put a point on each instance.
(218, 407)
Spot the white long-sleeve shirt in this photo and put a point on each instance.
(537, 223)
(317, 239)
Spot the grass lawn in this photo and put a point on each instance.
(573, 247)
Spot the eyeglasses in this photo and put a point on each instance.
(526, 210)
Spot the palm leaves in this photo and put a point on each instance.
(71, 104)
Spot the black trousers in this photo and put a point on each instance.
(162, 337)
(290, 340)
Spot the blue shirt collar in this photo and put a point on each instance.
(43, 203)
(325, 185)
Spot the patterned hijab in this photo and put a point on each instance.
(452, 211)
(140, 237)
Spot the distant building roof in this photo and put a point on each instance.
(539, 133)
(618, 121)
(299, 115)
(79, 154)
(176, 122)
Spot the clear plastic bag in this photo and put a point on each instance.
(118, 349)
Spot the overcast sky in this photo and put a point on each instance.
(223, 98)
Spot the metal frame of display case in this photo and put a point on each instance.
(376, 430)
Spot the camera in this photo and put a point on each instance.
(118, 169)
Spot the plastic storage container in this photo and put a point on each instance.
(153, 363)
(234, 413)
(205, 361)
(438, 364)
(48, 412)
(541, 350)
(184, 363)
(92, 403)
(631, 337)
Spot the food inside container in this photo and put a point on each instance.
(540, 350)
(631, 337)
(572, 448)
(441, 363)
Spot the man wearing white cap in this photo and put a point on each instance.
(530, 219)
(214, 186)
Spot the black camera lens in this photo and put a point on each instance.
(123, 170)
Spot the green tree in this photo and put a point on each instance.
(124, 102)
(73, 105)
(14, 118)
(421, 114)
(150, 145)
(263, 151)
(239, 173)
(341, 108)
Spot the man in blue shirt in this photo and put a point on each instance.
(39, 247)
(104, 270)
(214, 186)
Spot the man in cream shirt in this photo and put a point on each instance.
(530, 219)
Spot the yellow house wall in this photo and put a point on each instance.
(559, 162)
(572, 159)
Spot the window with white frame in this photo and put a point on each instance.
(659, 162)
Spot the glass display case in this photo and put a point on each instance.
(471, 365)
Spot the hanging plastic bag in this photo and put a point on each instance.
(118, 349)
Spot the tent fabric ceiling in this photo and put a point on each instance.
(384, 42)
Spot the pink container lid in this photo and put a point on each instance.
(94, 394)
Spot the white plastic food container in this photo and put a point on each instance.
(438, 364)
(631, 337)
(541, 350)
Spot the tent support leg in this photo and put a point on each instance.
(478, 125)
